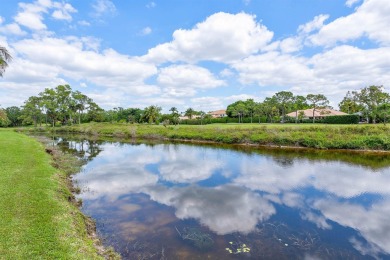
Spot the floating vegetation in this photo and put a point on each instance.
(197, 237)
(237, 248)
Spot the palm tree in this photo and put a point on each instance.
(5, 58)
(190, 113)
(151, 114)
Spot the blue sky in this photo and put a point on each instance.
(203, 54)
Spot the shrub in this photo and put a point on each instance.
(346, 119)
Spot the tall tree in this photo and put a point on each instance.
(284, 100)
(371, 98)
(14, 115)
(80, 103)
(151, 114)
(32, 110)
(5, 58)
(174, 115)
(384, 112)
(4, 121)
(270, 108)
(350, 103)
(250, 107)
(299, 103)
(190, 113)
(259, 110)
(317, 101)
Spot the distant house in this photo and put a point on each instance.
(217, 113)
(318, 113)
(186, 117)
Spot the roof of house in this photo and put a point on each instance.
(318, 113)
(218, 112)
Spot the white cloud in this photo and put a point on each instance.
(106, 68)
(226, 209)
(316, 24)
(370, 20)
(333, 72)
(275, 69)
(182, 166)
(102, 7)
(290, 45)
(146, 31)
(221, 37)
(350, 3)
(30, 15)
(151, 5)
(185, 80)
(63, 11)
(226, 73)
(45, 62)
(207, 104)
(84, 23)
(12, 28)
(371, 222)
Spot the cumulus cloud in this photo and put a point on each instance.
(183, 166)
(226, 209)
(221, 37)
(370, 20)
(185, 80)
(107, 68)
(12, 28)
(371, 222)
(334, 71)
(31, 15)
(63, 11)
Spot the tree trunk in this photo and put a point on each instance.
(314, 109)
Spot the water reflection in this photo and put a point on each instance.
(278, 201)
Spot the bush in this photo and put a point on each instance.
(346, 119)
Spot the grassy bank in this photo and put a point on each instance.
(37, 220)
(366, 137)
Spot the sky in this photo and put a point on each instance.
(203, 54)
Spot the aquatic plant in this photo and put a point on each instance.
(237, 248)
(197, 237)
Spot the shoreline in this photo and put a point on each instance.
(40, 216)
(59, 161)
(355, 138)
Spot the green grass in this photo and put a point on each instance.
(37, 221)
(321, 136)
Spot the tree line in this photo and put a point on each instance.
(63, 106)
(370, 103)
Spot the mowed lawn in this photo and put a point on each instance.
(36, 220)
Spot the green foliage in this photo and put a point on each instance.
(345, 119)
(60, 104)
(5, 58)
(4, 121)
(151, 114)
(317, 101)
(322, 136)
(14, 115)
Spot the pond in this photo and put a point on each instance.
(186, 201)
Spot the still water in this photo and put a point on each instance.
(183, 201)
